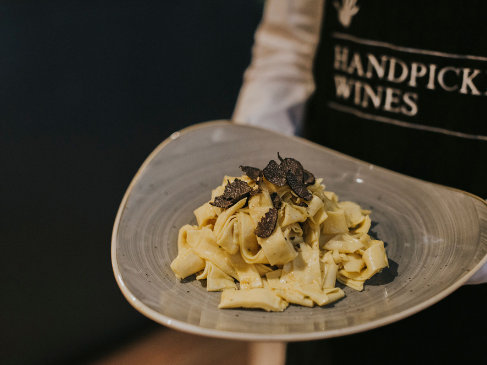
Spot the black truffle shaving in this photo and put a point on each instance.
(289, 171)
(253, 172)
(267, 224)
(303, 204)
(308, 178)
(296, 168)
(298, 187)
(221, 202)
(237, 189)
(276, 200)
(234, 192)
(275, 174)
(293, 166)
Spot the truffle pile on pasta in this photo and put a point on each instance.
(275, 236)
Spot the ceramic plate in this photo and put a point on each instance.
(435, 237)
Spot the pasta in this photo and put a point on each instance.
(273, 237)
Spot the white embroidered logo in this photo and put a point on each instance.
(346, 11)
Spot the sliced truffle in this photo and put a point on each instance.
(222, 202)
(296, 168)
(298, 187)
(253, 172)
(303, 204)
(274, 173)
(267, 224)
(293, 166)
(276, 200)
(234, 191)
(308, 178)
(237, 189)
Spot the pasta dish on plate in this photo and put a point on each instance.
(275, 236)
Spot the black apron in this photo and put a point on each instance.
(403, 85)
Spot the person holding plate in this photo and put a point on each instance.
(401, 85)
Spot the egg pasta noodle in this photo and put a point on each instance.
(312, 242)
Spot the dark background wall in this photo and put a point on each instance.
(87, 90)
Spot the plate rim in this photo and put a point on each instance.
(224, 334)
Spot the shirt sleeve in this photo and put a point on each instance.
(279, 80)
(480, 277)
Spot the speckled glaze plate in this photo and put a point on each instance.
(436, 237)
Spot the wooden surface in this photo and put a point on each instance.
(166, 346)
